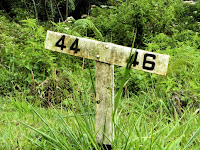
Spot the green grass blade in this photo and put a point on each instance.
(68, 129)
(191, 139)
(47, 137)
(125, 76)
(32, 141)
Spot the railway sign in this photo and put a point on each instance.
(106, 55)
(107, 52)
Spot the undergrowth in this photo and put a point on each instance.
(53, 94)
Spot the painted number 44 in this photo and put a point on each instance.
(61, 43)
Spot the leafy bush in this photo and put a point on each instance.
(188, 17)
(146, 18)
(22, 52)
(163, 41)
(25, 65)
(182, 77)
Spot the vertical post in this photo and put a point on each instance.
(104, 103)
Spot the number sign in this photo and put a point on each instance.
(107, 52)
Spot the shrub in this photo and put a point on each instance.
(147, 18)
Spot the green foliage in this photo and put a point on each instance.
(22, 52)
(26, 66)
(138, 125)
(115, 2)
(47, 10)
(63, 83)
(84, 26)
(191, 17)
(182, 78)
(44, 10)
(178, 39)
(160, 33)
(148, 18)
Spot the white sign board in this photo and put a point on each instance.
(107, 52)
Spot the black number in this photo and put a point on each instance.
(62, 39)
(74, 46)
(135, 62)
(149, 62)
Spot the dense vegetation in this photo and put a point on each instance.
(53, 93)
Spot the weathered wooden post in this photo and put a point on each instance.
(106, 55)
(105, 102)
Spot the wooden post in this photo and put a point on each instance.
(104, 103)
(106, 55)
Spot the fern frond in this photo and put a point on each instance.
(87, 24)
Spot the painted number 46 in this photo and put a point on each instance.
(145, 65)
(74, 46)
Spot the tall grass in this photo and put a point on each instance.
(148, 119)
(137, 126)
